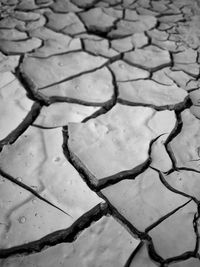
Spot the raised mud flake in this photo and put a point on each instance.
(175, 235)
(146, 11)
(162, 76)
(142, 19)
(165, 26)
(100, 47)
(126, 27)
(150, 58)
(14, 104)
(131, 15)
(194, 84)
(32, 25)
(191, 69)
(159, 156)
(60, 114)
(26, 16)
(137, 40)
(10, 23)
(122, 45)
(43, 3)
(168, 77)
(45, 72)
(186, 57)
(102, 4)
(92, 87)
(144, 200)
(120, 137)
(185, 145)
(96, 20)
(158, 35)
(159, 6)
(12, 47)
(142, 259)
(171, 18)
(54, 43)
(151, 93)
(64, 6)
(8, 63)
(187, 263)
(195, 95)
(68, 23)
(166, 45)
(38, 160)
(12, 34)
(125, 72)
(83, 3)
(186, 182)
(104, 243)
(26, 5)
(110, 11)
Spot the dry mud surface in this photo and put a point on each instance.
(99, 133)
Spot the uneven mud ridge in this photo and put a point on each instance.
(100, 133)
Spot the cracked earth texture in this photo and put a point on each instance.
(99, 133)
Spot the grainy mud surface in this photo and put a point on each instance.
(99, 133)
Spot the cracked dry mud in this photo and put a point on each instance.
(99, 133)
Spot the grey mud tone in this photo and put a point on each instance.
(99, 133)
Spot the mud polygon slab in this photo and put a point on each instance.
(120, 137)
(92, 18)
(54, 43)
(83, 3)
(195, 97)
(144, 200)
(113, 12)
(159, 155)
(13, 47)
(14, 104)
(125, 72)
(126, 27)
(150, 58)
(122, 45)
(53, 115)
(12, 34)
(26, 16)
(166, 45)
(105, 240)
(186, 57)
(64, 6)
(168, 77)
(9, 63)
(37, 159)
(92, 87)
(185, 181)
(68, 23)
(150, 92)
(45, 72)
(158, 35)
(175, 235)
(190, 69)
(185, 146)
(100, 47)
